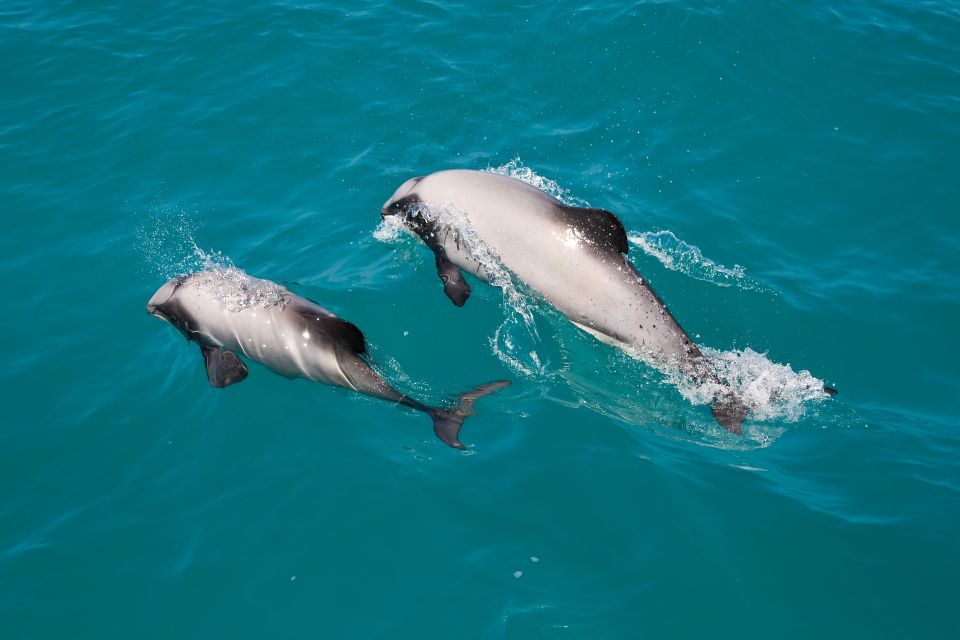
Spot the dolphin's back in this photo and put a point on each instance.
(575, 257)
(291, 335)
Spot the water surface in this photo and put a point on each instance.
(787, 174)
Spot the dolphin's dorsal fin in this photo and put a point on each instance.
(336, 330)
(599, 225)
(223, 367)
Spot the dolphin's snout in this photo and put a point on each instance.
(392, 206)
(155, 311)
(162, 295)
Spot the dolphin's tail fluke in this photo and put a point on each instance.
(447, 422)
(730, 412)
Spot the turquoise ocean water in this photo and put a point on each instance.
(788, 173)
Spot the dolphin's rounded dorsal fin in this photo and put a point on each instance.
(601, 227)
(337, 330)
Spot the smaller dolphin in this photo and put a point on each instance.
(227, 312)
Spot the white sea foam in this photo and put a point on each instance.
(773, 391)
(677, 255)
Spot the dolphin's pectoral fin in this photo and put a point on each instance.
(454, 284)
(337, 330)
(223, 367)
(603, 336)
(600, 226)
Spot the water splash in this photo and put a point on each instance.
(516, 169)
(773, 391)
(677, 255)
(514, 342)
(390, 230)
(165, 241)
(618, 384)
(236, 289)
(167, 246)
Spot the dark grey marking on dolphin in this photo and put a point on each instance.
(288, 334)
(427, 229)
(574, 257)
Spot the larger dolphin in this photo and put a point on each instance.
(575, 257)
(227, 312)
